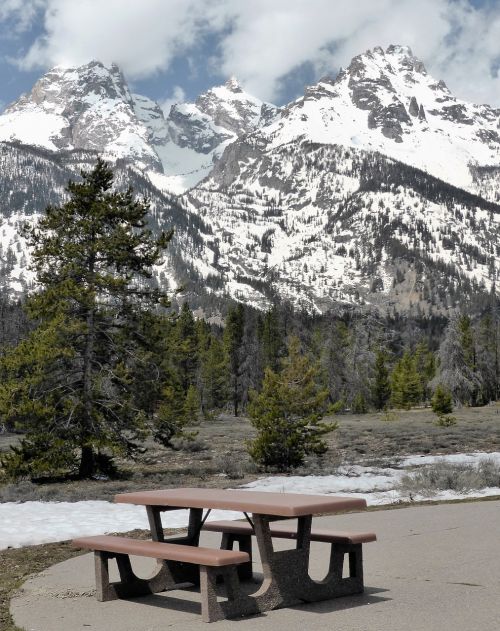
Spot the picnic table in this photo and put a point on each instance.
(181, 560)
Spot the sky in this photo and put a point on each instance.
(172, 50)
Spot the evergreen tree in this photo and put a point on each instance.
(214, 375)
(406, 385)
(184, 349)
(288, 413)
(333, 358)
(442, 402)
(233, 341)
(425, 362)
(272, 342)
(381, 386)
(191, 409)
(70, 386)
(487, 362)
(455, 372)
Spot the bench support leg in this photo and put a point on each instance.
(237, 603)
(245, 571)
(129, 584)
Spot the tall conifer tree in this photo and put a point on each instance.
(70, 386)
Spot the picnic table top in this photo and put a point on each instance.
(258, 502)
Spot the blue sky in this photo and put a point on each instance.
(175, 49)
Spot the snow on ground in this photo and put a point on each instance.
(29, 523)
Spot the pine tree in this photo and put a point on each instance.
(442, 402)
(233, 341)
(425, 362)
(213, 375)
(71, 385)
(272, 342)
(184, 348)
(406, 385)
(381, 386)
(288, 413)
(191, 409)
(455, 372)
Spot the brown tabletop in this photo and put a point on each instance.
(258, 502)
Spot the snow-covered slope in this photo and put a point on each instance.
(199, 132)
(386, 101)
(325, 203)
(321, 224)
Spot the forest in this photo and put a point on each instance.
(99, 357)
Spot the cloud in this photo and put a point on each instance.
(20, 13)
(263, 42)
(142, 37)
(268, 40)
(178, 96)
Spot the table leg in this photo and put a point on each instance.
(286, 572)
(174, 573)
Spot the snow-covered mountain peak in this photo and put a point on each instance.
(386, 101)
(62, 88)
(199, 132)
(233, 85)
(87, 107)
(230, 107)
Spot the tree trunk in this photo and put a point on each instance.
(87, 463)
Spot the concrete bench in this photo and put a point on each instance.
(176, 565)
(341, 543)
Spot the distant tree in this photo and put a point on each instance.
(425, 363)
(487, 343)
(213, 375)
(183, 353)
(442, 402)
(288, 413)
(71, 384)
(406, 385)
(272, 341)
(381, 392)
(233, 341)
(455, 371)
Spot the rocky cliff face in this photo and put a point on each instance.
(200, 131)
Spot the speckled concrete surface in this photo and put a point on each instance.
(434, 568)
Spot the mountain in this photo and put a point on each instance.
(92, 108)
(376, 189)
(198, 132)
(89, 108)
(386, 101)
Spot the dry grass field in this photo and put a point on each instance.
(218, 458)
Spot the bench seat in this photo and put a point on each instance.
(284, 531)
(160, 550)
(178, 565)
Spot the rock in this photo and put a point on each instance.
(413, 109)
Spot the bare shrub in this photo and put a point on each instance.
(446, 476)
(235, 466)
